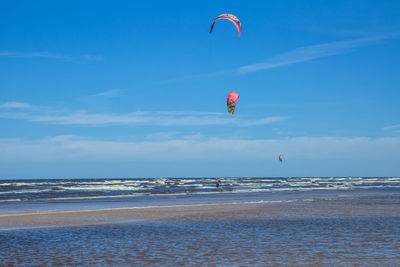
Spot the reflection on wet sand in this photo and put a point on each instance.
(362, 230)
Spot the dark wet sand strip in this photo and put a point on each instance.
(371, 206)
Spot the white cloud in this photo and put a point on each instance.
(77, 59)
(16, 105)
(297, 55)
(109, 93)
(263, 121)
(392, 127)
(151, 118)
(157, 118)
(308, 53)
(198, 147)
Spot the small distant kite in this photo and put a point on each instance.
(232, 98)
(231, 18)
(280, 157)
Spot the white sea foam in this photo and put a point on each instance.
(102, 188)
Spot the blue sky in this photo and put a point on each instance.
(133, 89)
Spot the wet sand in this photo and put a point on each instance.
(350, 230)
(341, 206)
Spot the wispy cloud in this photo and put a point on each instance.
(199, 148)
(47, 55)
(150, 118)
(76, 156)
(308, 53)
(156, 118)
(267, 120)
(395, 127)
(109, 93)
(16, 105)
(298, 55)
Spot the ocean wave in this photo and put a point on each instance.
(66, 189)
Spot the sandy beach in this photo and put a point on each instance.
(343, 206)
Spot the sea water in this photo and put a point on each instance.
(295, 221)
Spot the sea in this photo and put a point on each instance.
(295, 221)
